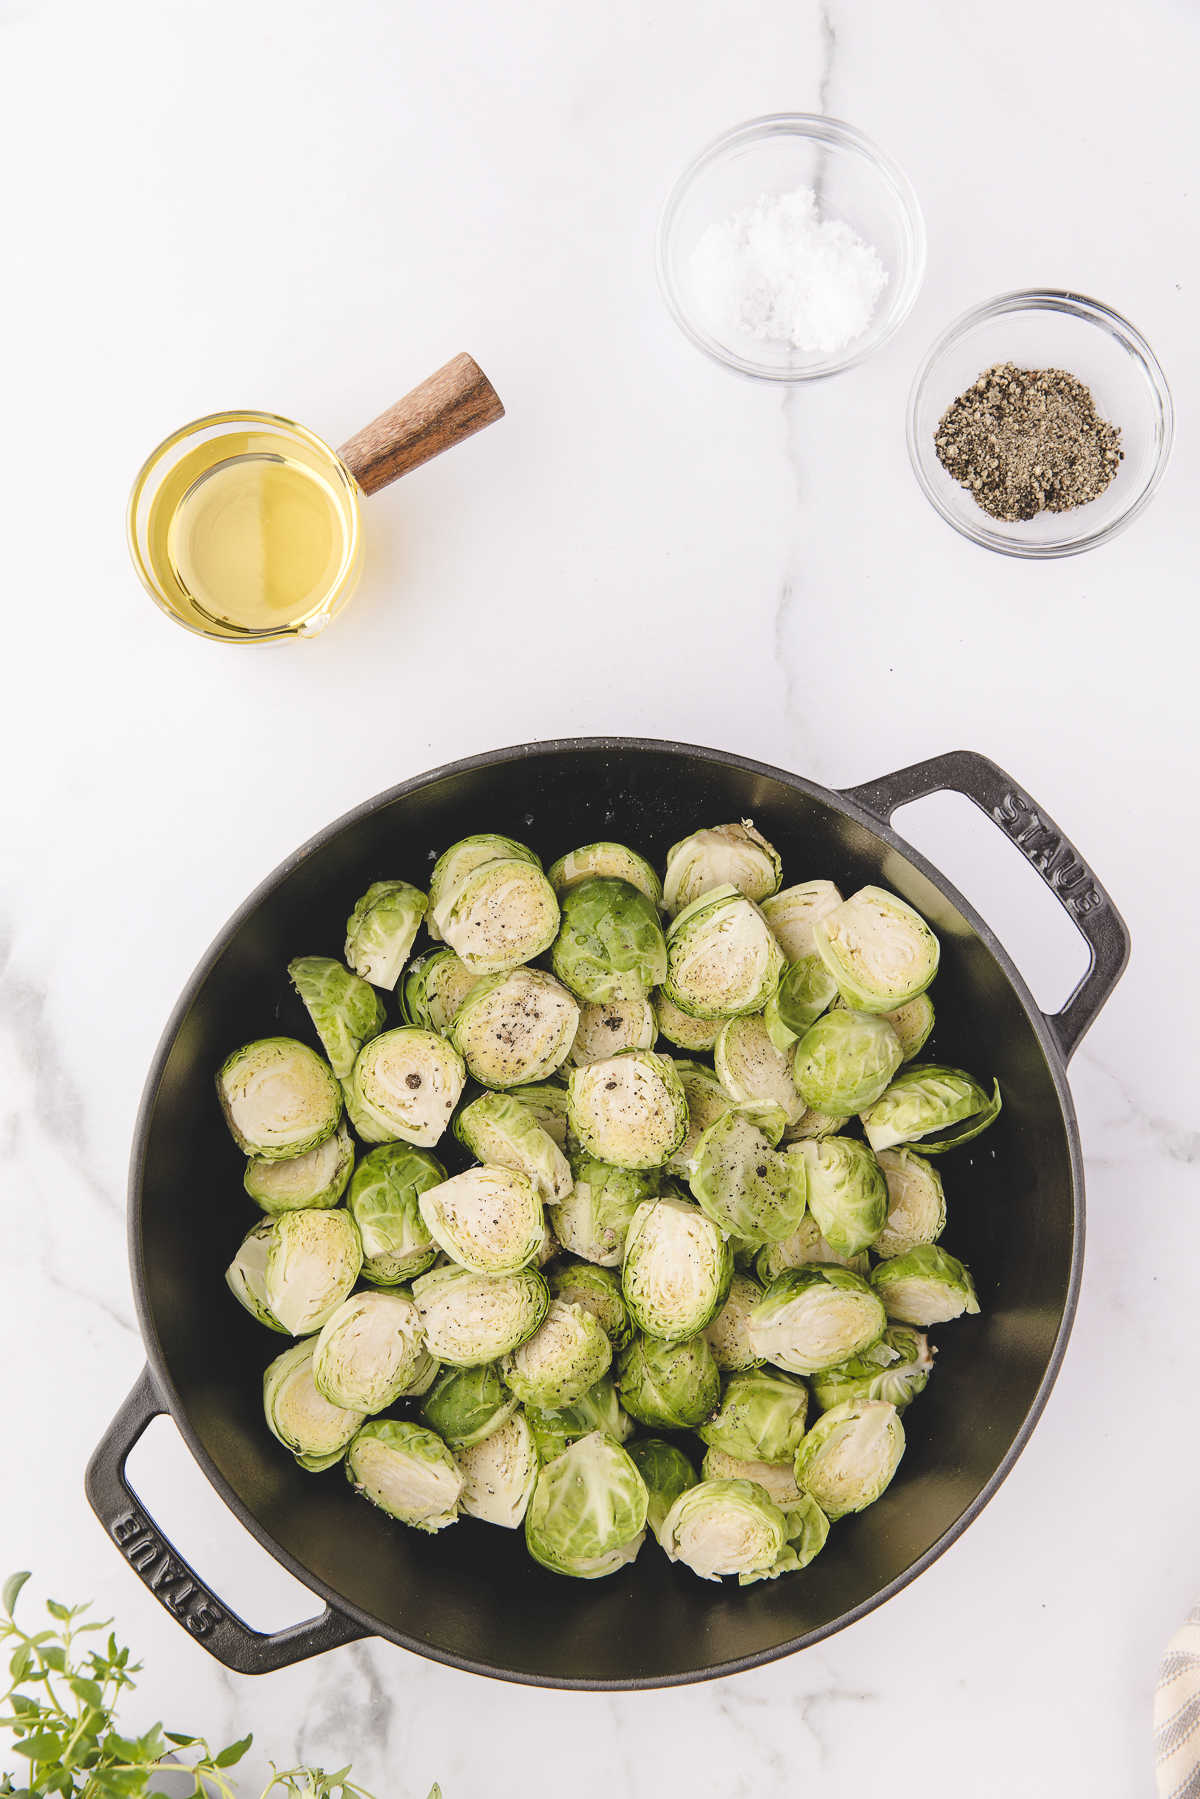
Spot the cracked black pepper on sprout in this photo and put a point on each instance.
(1024, 441)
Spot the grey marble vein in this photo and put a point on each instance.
(1180, 1142)
(829, 50)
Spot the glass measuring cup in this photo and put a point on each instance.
(246, 527)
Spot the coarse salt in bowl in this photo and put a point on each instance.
(739, 238)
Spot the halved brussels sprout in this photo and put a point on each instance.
(587, 1517)
(598, 1291)
(676, 1270)
(681, 1029)
(598, 1409)
(721, 1527)
(607, 862)
(279, 1098)
(896, 1368)
(382, 929)
(473, 1318)
(760, 1418)
(383, 1201)
(776, 1478)
(426, 1372)
(814, 1317)
(916, 1202)
(751, 1069)
(502, 915)
(806, 990)
(465, 1405)
(936, 1107)
(844, 1062)
(608, 1029)
(499, 1129)
(707, 1101)
(368, 1351)
(804, 1244)
(567, 1354)
(297, 1268)
(880, 952)
(610, 944)
(499, 1474)
(734, 856)
(462, 859)
(593, 1220)
(630, 1111)
(848, 1458)
(847, 1194)
(812, 1124)
(721, 957)
(912, 1023)
(407, 1472)
(406, 1083)
(435, 986)
(749, 1189)
(807, 1534)
(667, 1473)
(314, 1180)
(515, 1028)
(300, 1417)
(345, 1010)
(793, 912)
(926, 1285)
(489, 1220)
(246, 1275)
(547, 1100)
(669, 1386)
(728, 1334)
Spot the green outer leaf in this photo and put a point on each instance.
(12, 1588)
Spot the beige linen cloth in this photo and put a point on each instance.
(1177, 1714)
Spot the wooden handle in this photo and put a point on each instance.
(451, 405)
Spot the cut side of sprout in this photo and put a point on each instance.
(407, 1472)
(279, 1098)
(488, 1220)
(607, 1030)
(697, 1035)
(916, 1202)
(721, 957)
(848, 1458)
(313, 1260)
(502, 915)
(794, 912)
(368, 1351)
(721, 1527)
(804, 1244)
(880, 952)
(567, 1354)
(435, 986)
(454, 866)
(677, 1269)
(300, 1417)
(926, 1285)
(516, 1028)
(751, 1069)
(316, 1179)
(474, 1318)
(499, 1474)
(734, 855)
(707, 1101)
(407, 1083)
(814, 1317)
(630, 1110)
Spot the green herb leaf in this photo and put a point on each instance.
(57, 1611)
(87, 1690)
(12, 1587)
(42, 1746)
(233, 1754)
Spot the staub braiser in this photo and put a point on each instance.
(470, 1596)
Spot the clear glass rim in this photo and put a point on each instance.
(1090, 312)
(235, 416)
(820, 128)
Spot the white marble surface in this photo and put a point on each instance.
(304, 207)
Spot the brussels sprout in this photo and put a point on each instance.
(607, 862)
(721, 957)
(489, 1220)
(707, 1101)
(407, 1472)
(850, 1455)
(734, 856)
(608, 1029)
(896, 1368)
(499, 1474)
(847, 1194)
(597, 1409)
(630, 1110)
(465, 1405)
(807, 1534)
(925, 1286)
(567, 1354)
(500, 916)
(279, 1098)
(721, 1527)
(681, 1029)
(812, 1124)
(368, 1351)
(750, 1190)
(916, 1202)
(845, 1061)
(676, 1271)
(912, 1023)
(598, 1291)
(751, 1069)
(592, 1221)
(384, 1203)
(246, 1275)
(760, 1418)
(669, 1386)
(426, 1372)
(297, 1268)
(587, 1517)
(345, 1010)
(462, 859)
(314, 1180)
(814, 1317)
(406, 1083)
(515, 1028)
(547, 1100)
(667, 1473)
(499, 1130)
(937, 1107)
(728, 1335)
(880, 952)
(804, 1244)
(300, 1417)
(473, 1318)
(776, 1478)
(610, 944)
(435, 986)
(792, 914)
(806, 989)
(382, 929)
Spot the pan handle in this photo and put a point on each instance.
(1044, 846)
(173, 1582)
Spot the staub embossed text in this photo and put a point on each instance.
(166, 1577)
(1041, 844)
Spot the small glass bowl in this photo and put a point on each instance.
(1043, 328)
(853, 180)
